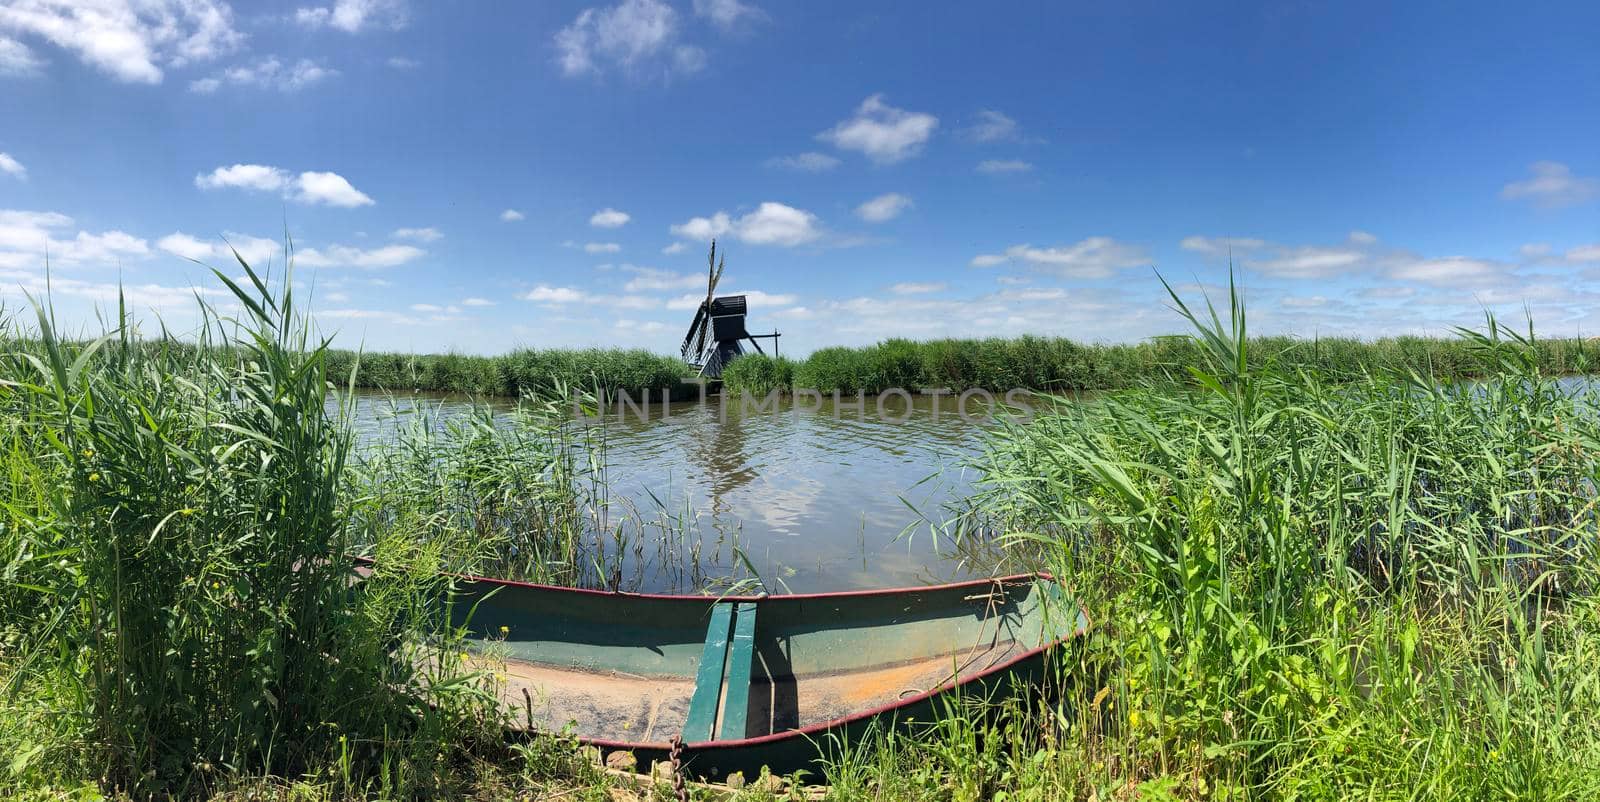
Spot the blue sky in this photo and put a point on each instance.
(476, 177)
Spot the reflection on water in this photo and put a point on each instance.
(818, 497)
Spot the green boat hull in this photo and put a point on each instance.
(742, 683)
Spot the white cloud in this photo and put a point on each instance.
(808, 162)
(649, 278)
(257, 177)
(268, 73)
(1584, 253)
(770, 224)
(676, 247)
(601, 247)
(637, 36)
(1304, 302)
(882, 132)
(476, 302)
(429, 234)
(12, 167)
(130, 40)
(254, 250)
(346, 256)
(27, 237)
(917, 287)
(754, 298)
(1221, 246)
(330, 189)
(1284, 261)
(998, 166)
(553, 295)
(511, 215)
(437, 310)
(403, 63)
(1310, 261)
(1095, 257)
(1552, 185)
(704, 228)
(728, 14)
(1448, 271)
(641, 326)
(993, 126)
(883, 208)
(16, 59)
(355, 16)
(609, 218)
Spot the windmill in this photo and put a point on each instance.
(717, 334)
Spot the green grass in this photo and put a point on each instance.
(519, 373)
(1315, 571)
(1063, 366)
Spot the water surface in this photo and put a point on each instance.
(818, 497)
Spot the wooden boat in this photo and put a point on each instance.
(743, 682)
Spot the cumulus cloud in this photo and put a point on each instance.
(546, 294)
(635, 36)
(329, 189)
(1095, 257)
(609, 218)
(254, 250)
(884, 133)
(917, 287)
(17, 59)
(27, 237)
(883, 208)
(1552, 184)
(998, 166)
(601, 247)
(511, 215)
(476, 302)
(130, 40)
(268, 73)
(770, 224)
(355, 16)
(676, 247)
(12, 167)
(370, 258)
(808, 162)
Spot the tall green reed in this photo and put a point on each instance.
(202, 616)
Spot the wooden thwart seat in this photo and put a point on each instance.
(725, 663)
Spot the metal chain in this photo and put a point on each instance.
(676, 756)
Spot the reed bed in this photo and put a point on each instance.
(1308, 579)
(1064, 366)
(523, 372)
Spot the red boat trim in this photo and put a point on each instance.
(837, 594)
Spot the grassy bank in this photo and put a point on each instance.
(1306, 582)
(1061, 365)
(519, 373)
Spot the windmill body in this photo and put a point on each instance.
(717, 335)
